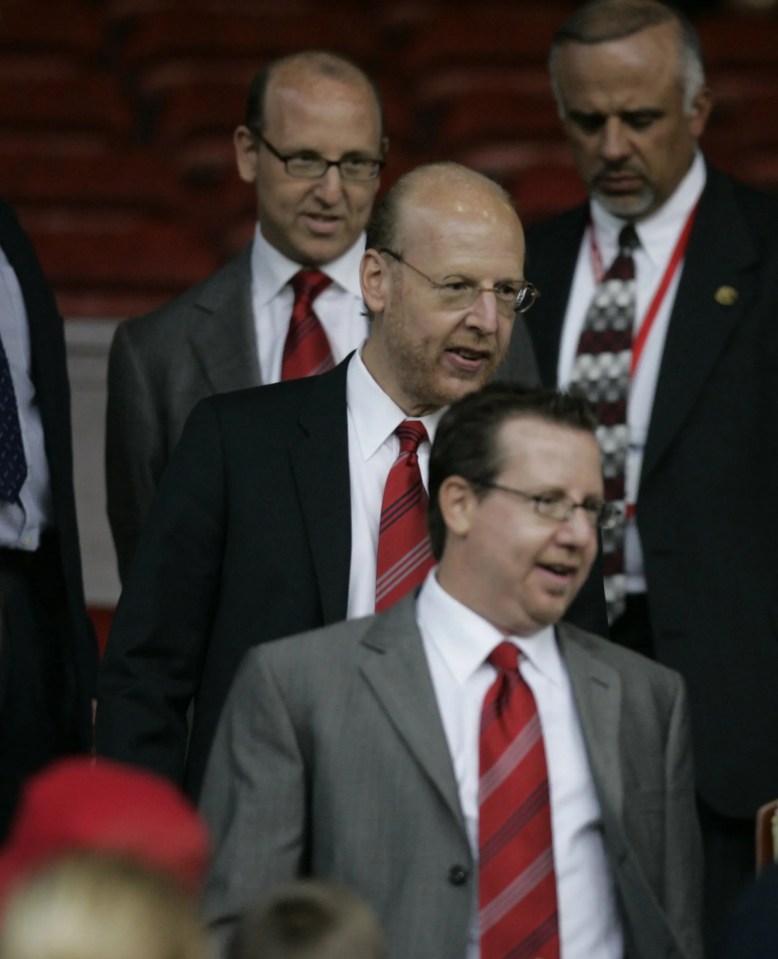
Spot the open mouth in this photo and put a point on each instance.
(466, 359)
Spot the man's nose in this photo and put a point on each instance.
(615, 143)
(330, 187)
(484, 313)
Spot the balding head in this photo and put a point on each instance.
(444, 264)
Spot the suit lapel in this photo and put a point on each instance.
(597, 693)
(320, 464)
(700, 327)
(395, 667)
(223, 335)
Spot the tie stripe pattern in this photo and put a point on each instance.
(517, 882)
(307, 349)
(602, 373)
(404, 552)
(13, 465)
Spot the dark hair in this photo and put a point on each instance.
(309, 919)
(466, 438)
(322, 62)
(600, 21)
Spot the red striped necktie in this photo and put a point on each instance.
(404, 552)
(307, 349)
(517, 883)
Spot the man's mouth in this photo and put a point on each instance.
(322, 223)
(467, 358)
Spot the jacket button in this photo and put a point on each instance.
(457, 875)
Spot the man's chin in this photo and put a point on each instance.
(626, 206)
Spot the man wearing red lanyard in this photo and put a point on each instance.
(698, 440)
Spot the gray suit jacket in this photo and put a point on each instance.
(160, 366)
(331, 760)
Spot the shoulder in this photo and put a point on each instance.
(633, 668)
(569, 223)
(170, 319)
(758, 209)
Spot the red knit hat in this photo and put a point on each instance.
(99, 805)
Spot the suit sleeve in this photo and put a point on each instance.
(254, 797)
(155, 652)
(683, 849)
(134, 446)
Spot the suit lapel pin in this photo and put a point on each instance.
(725, 295)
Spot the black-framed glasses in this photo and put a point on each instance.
(560, 508)
(311, 166)
(459, 292)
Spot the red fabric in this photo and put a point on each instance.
(307, 349)
(404, 552)
(104, 806)
(517, 882)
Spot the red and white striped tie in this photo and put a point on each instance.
(517, 883)
(306, 349)
(404, 552)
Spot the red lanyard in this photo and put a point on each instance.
(677, 255)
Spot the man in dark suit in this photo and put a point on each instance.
(313, 146)
(702, 460)
(267, 518)
(48, 656)
(354, 754)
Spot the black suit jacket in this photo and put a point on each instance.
(60, 594)
(706, 507)
(248, 540)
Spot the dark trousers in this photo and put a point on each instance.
(35, 680)
(728, 844)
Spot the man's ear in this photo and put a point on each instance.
(701, 108)
(456, 499)
(374, 279)
(245, 153)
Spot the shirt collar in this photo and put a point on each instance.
(464, 639)
(373, 412)
(660, 230)
(271, 270)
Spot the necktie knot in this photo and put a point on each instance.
(623, 267)
(411, 433)
(505, 658)
(308, 284)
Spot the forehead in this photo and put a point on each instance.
(461, 226)
(543, 454)
(314, 110)
(630, 73)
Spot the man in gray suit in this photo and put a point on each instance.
(353, 753)
(313, 145)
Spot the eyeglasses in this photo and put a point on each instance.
(560, 508)
(311, 166)
(457, 293)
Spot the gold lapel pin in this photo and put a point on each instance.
(725, 295)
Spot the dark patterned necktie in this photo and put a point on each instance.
(13, 466)
(404, 552)
(307, 349)
(517, 907)
(602, 373)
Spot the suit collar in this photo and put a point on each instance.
(701, 323)
(320, 465)
(222, 331)
(395, 667)
(597, 693)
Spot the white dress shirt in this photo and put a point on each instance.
(457, 642)
(339, 307)
(21, 525)
(372, 449)
(658, 235)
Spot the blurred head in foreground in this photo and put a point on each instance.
(97, 906)
(309, 920)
